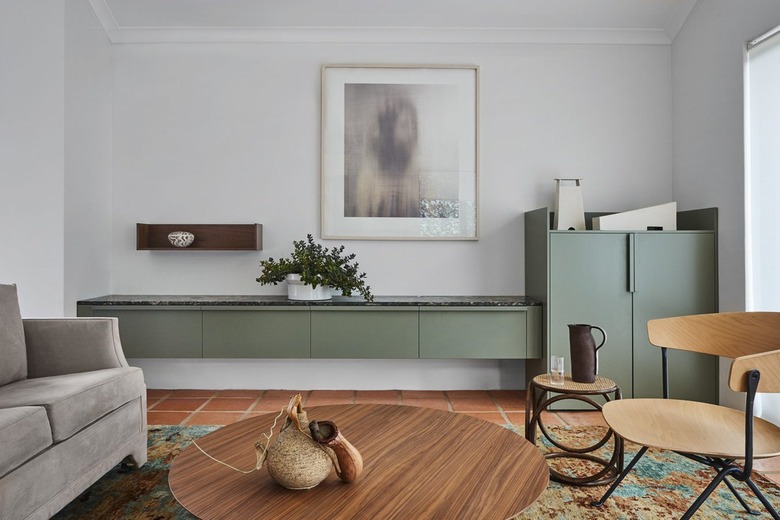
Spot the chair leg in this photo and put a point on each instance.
(721, 476)
(739, 497)
(763, 499)
(620, 478)
(708, 491)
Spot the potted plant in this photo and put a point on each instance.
(312, 268)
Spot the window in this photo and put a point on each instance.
(762, 185)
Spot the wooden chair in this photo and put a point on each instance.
(713, 435)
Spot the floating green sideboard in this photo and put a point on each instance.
(619, 280)
(370, 332)
(398, 327)
(253, 332)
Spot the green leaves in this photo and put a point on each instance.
(318, 265)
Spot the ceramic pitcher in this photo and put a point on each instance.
(584, 357)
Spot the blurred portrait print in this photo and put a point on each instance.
(400, 151)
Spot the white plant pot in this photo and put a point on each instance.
(297, 290)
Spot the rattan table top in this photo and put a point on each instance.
(600, 385)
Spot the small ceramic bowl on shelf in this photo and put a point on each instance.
(181, 238)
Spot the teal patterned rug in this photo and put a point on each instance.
(662, 485)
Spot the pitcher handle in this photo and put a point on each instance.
(603, 333)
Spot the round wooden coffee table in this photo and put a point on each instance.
(418, 463)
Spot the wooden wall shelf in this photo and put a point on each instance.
(208, 237)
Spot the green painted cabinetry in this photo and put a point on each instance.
(500, 327)
(370, 332)
(256, 332)
(675, 274)
(618, 281)
(473, 333)
(156, 332)
(589, 284)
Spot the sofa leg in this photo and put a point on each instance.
(137, 456)
(126, 466)
(135, 460)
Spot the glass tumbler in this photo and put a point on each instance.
(556, 370)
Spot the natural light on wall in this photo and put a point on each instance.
(762, 185)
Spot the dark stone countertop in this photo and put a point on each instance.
(249, 300)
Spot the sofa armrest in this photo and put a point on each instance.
(58, 346)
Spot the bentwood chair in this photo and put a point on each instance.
(725, 439)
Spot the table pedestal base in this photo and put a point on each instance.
(537, 401)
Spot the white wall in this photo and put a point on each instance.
(223, 132)
(54, 154)
(708, 112)
(88, 81)
(230, 133)
(31, 145)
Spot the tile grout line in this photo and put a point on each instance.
(500, 410)
(198, 409)
(252, 406)
(161, 399)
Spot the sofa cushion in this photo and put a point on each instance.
(24, 432)
(73, 401)
(13, 353)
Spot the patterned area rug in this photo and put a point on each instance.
(662, 485)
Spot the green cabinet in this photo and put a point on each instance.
(502, 327)
(157, 332)
(618, 281)
(473, 333)
(256, 332)
(369, 332)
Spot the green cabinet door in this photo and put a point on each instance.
(675, 276)
(365, 332)
(256, 332)
(473, 333)
(589, 283)
(157, 331)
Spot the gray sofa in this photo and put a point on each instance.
(70, 408)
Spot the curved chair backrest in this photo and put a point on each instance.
(751, 339)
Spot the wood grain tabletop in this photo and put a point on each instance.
(418, 463)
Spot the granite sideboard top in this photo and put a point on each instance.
(248, 300)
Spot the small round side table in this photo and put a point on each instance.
(538, 400)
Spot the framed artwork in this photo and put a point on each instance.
(399, 152)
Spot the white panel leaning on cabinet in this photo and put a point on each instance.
(654, 218)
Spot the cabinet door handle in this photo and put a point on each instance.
(631, 271)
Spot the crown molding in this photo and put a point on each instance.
(406, 35)
(105, 17)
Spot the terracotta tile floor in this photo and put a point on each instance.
(505, 407)
(187, 407)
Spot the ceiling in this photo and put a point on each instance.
(128, 21)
